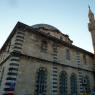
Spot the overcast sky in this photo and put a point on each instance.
(69, 16)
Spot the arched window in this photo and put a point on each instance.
(73, 80)
(44, 46)
(87, 84)
(68, 54)
(41, 80)
(63, 83)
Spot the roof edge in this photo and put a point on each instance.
(21, 25)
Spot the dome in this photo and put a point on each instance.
(45, 26)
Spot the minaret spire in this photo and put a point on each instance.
(89, 6)
(91, 26)
(90, 15)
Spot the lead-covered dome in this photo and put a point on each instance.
(45, 26)
(53, 31)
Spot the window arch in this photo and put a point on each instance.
(41, 81)
(63, 83)
(73, 80)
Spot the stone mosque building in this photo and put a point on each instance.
(41, 60)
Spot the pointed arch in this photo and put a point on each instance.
(63, 83)
(41, 81)
(73, 81)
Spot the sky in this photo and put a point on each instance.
(69, 16)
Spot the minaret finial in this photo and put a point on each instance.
(89, 6)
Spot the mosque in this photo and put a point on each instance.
(41, 60)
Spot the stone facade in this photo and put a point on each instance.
(41, 60)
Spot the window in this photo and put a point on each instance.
(84, 59)
(41, 80)
(86, 85)
(73, 80)
(67, 54)
(63, 83)
(44, 46)
(55, 48)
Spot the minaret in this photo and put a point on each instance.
(91, 26)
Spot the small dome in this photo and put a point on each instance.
(45, 26)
